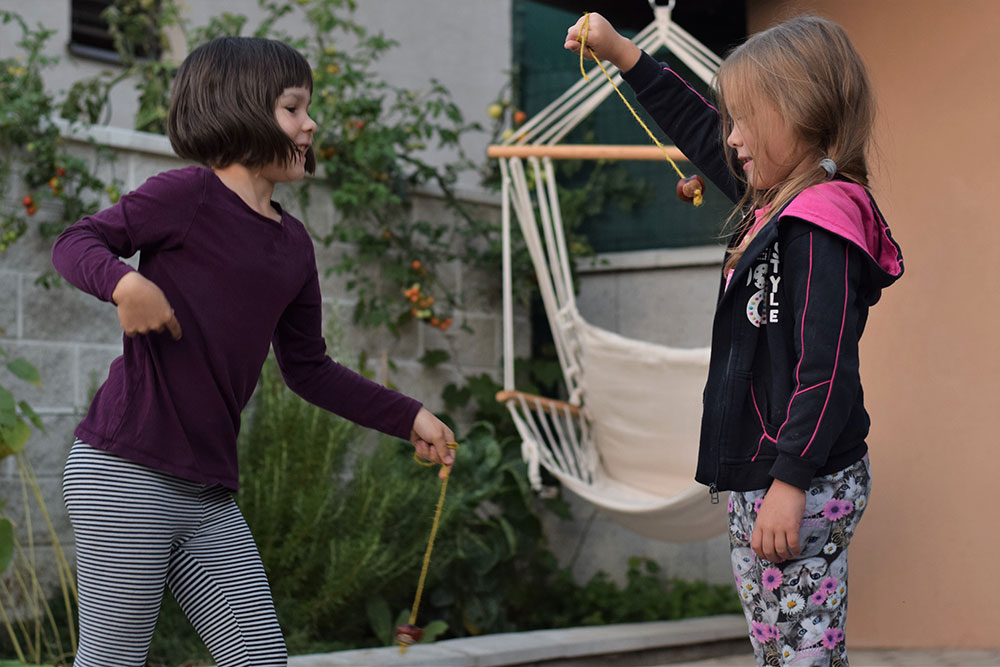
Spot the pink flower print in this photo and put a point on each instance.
(832, 637)
(771, 578)
(772, 632)
(837, 509)
(730, 503)
(829, 585)
(756, 505)
(818, 598)
(759, 631)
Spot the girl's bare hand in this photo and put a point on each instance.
(430, 437)
(604, 41)
(776, 531)
(143, 308)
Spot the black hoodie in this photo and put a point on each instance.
(783, 398)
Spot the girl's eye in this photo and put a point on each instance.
(290, 109)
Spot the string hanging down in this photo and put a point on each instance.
(690, 188)
(410, 633)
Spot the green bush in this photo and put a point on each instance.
(334, 519)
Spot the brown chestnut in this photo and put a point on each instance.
(690, 189)
(407, 635)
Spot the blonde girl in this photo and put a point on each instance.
(784, 424)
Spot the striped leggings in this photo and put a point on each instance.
(137, 530)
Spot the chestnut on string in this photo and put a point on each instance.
(407, 635)
(691, 189)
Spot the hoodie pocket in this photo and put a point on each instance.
(742, 429)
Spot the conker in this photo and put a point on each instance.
(406, 635)
(688, 186)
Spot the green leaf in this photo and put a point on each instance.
(6, 543)
(7, 412)
(433, 358)
(31, 415)
(433, 630)
(13, 438)
(25, 371)
(380, 619)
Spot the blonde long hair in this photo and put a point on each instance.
(808, 68)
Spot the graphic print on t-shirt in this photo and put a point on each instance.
(762, 307)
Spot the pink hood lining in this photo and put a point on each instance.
(847, 210)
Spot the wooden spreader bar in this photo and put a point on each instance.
(586, 152)
(547, 403)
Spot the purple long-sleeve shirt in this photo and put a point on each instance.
(238, 282)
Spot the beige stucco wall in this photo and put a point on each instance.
(923, 565)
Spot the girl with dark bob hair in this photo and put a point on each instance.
(224, 274)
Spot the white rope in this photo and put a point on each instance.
(569, 304)
(564, 443)
(529, 227)
(583, 448)
(545, 453)
(562, 286)
(508, 298)
(529, 447)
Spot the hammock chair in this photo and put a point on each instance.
(627, 438)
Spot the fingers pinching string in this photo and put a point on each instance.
(409, 634)
(697, 197)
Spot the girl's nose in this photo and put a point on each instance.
(734, 140)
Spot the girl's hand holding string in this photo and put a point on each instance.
(604, 41)
(142, 307)
(776, 531)
(430, 437)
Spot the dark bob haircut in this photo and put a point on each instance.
(223, 102)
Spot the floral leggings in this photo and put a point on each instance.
(797, 609)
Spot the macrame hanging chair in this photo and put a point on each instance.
(627, 438)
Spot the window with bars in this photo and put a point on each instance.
(90, 36)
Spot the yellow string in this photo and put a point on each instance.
(430, 543)
(584, 30)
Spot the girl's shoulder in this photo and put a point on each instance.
(179, 186)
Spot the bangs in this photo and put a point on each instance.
(739, 87)
(291, 70)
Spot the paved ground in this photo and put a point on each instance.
(654, 644)
(884, 657)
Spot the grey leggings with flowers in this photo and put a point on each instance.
(797, 609)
